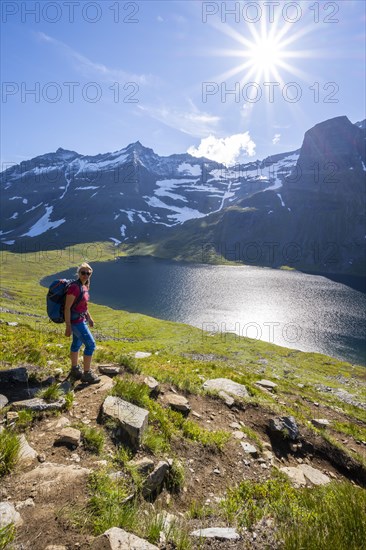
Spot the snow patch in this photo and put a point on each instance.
(193, 169)
(116, 241)
(43, 224)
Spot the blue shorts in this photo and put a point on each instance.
(82, 335)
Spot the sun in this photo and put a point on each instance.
(265, 55)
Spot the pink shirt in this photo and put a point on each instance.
(82, 306)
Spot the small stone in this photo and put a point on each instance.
(249, 449)
(196, 414)
(3, 401)
(142, 354)
(152, 384)
(266, 384)
(217, 471)
(41, 457)
(220, 533)
(238, 434)
(320, 423)
(8, 514)
(69, 437)
(177, 403)
(11, 416)
(110, 370)
(29, 502)
(235, 426)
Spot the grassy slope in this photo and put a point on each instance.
(37, 341)
(244, 360)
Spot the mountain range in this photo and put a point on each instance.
(302, 208)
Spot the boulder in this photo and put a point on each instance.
(220, 533)
(118, 539)
(177, 403)
(38, 404)
(286, 425)
(26, 452)
(154, 481)
(11, 376)
(226, 385)
(8, 515)
(50, 481)
(295, 475)
(316, 477)
(132, 420)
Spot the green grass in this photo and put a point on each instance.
(50, 394)
(175, 478)
(93, 438)
(129, 363)
(106, 508)
(7, 535)
(253, 436)
(331, 516)
(9, 450)
(24, 420)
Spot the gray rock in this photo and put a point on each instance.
(220, 533)
(266, 384)
(8, 515)
(320, 422)
(55, 547)
(142, 354)
(144, 466)
(226, 385)
(177, 403)
(284, 425)
(69, 437)
(110, 370)
(154, 481)
(48, 479)
(249, 449)
(295, 475)
(132, 420)
(118, 539)
(152, 384)
(227, 399)
(19, 374)
(316, 477)
(38, 404)
(28, 503)
(26, 452)
(3, 401)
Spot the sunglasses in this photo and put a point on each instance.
(82, 272)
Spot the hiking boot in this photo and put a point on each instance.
(75, 373)
(89, 377)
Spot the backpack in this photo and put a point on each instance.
(56, 297)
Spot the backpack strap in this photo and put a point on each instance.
(79, 298)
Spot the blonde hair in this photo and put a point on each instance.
(84, 265)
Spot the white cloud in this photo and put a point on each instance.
(225, 150)
(89, 67)
(276, 138)
(192, 122)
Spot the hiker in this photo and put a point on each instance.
(77, 320)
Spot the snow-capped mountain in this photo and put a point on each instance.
(313, 219)
(125, 196)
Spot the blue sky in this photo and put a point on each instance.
(109, 73)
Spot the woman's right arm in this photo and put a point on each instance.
(70, 298)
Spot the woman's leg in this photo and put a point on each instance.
(82, 333)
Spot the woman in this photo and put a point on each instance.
(77, 320)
